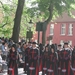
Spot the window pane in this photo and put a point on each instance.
(63, 29)
(70, 29)
(51, 29)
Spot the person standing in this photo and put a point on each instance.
(73, 62)
(33, 60)
(27, 55)
(59, 49)
(45, 55)
(65, 53)
(12, 61)
(52, 62)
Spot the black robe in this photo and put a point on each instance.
(52, 64)
(73, 62)
(27, 56)
(12, 63)
(33, 62)
(59, 62)
(65, 68)
(44, 62)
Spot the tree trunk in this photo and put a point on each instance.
(45, 23)
(17, 21)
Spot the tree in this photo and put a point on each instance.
(6, 22)
(49, 9)
(17, 20)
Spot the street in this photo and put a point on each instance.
(20, 71)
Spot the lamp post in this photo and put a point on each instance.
(29, 32)
(39, 26)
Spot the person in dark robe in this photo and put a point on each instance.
(59, 49)
(27, 56)
(65, 53)
(52, 62)
(73, 62)
(40, 56)
(12, 61)
(33, 60)
(45, 60)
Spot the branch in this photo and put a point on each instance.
(5, 23)
(2, 5)
(50, 9)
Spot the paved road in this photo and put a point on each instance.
(20, 70)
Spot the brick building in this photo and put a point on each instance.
(60, 30)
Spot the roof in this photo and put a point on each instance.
(65, 18)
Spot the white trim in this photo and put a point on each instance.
(59, 68)
(49, 70)
(10, 69)
(31, 68)
(63, 70)
(44, 68)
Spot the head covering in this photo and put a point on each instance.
(30, 42)
(53, 46)
(34, 43)
(59, 45)
(14, 45)
(19, 43)
(65, 43)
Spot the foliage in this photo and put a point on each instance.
(39, 10)
(44, 6)
(8, 12)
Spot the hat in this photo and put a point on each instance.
(30, 42)
(53, 46)
(34, 43)
(14, 45)
(65, 43)
(59, 45)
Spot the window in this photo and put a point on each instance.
(70, 29)
(63, 29)
(51, 29)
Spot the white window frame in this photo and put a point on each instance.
(63, 28)
(52, 28)
(70, 29)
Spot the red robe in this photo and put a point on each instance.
(65, 69)
(12, 65)
(44, 62)
(73, 63)
(59, 62)
(52, 64)
(33, 62)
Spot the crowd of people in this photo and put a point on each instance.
(50, 59)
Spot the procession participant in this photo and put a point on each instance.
(12, 61)
(45, 60)
(52, 62)
(40, 56)
(73, 62)
(33, 60)
(27, 54)
(59, 49)
(19, 48)
(65, 54)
